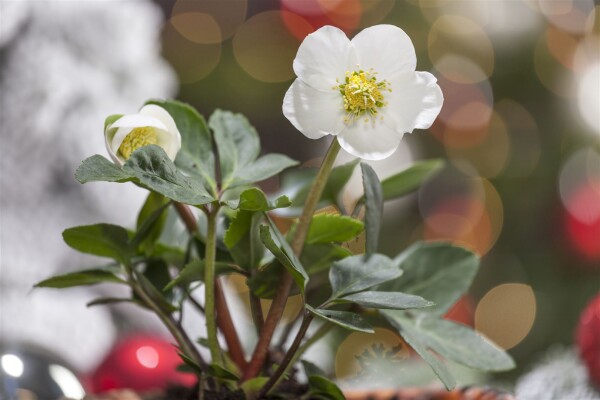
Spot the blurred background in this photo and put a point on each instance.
(520, 130)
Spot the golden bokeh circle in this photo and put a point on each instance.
(488, 155)
(506, 314)
(265, 48)
(453, 34)
(192, 61)
(346, 362)
(227, 15)
(197, 27)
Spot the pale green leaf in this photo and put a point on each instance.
(361, 272)
(328, 228)
(374, 207)
(80, 278)
(99, 169)
(345, 319)
(386, 300)
(155, 171)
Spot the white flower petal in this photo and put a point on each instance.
(313, 112)
(152, 110)
(323, 56)
(108, 136)
(169, 145)
(369, 140)
(414, 103)
(127, 123)
(385, 48)
(137, 120)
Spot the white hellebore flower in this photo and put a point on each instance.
(151, 125)
(365, 91)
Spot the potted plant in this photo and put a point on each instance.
(366, 94)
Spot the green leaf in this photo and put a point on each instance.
(437, 365)
(311, 369)
(152, 289)
(319, 257)
(196, 156)
(280, 248)
(374, 207)
(254, 199)
(410, 179)
(191, 363)
(439, 272)
(150, 222)
(80, 278)
(237, 142)
(252, 386)
(338, 179)
(194, 272)
(264, 283)
(322, 388)
(104, 240)
(99, 169)
(360, 272)
(296, 184)
(263, 168)
(453, 341)
(103, 301)
(157, 273)
(242, 238)
(221, 373)
(155, 171)
(345, 319)
(328, 228)
(386, 300)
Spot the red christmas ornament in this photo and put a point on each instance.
(142, 363)
(588, 339)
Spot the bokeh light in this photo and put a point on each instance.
(197, 27)
(199, 21)
(265, 48)
(584, 233)
(579, 185)
(550, 72)
(588, 96)
(525, 142)
(568, 15)
(466, 112)
(463, 311)
(505, 21)
(357, 343)
(506, 314)
(345, 14)
(463, 210)
(581, 170)
(460, 35)
(191, 61)
(488, 156)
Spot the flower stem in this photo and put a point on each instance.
(224, 320)
(209, 287)
(288, 356)
(296, 353)
(285, 283)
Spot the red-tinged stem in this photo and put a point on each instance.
(285, 283)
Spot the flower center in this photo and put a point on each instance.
(137, 138)
(362, 94)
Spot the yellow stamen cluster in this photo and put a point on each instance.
(362, 94)
(137, 138)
